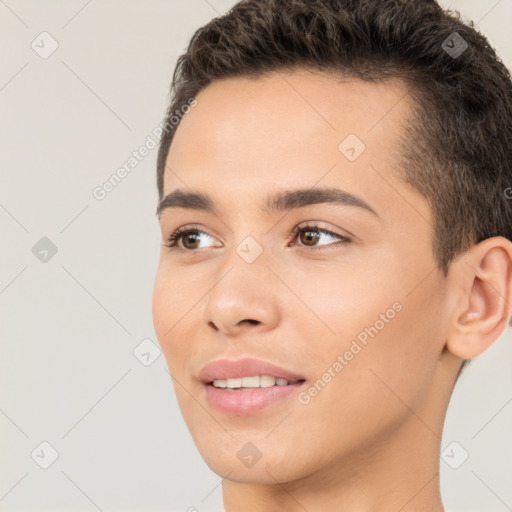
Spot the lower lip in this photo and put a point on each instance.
(247, 401)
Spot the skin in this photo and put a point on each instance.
(370, 440)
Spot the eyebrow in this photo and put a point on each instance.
(281, 201)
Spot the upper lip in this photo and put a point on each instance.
(222, 369)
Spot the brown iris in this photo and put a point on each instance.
(309, 235)
(193, 238)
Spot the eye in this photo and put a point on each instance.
(311, 234)
(189, 237)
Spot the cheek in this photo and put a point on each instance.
(368, 317)
(170, 319)
(168, 309)
(343, 301)
(160, 307)
(174, 297)
(176, 318)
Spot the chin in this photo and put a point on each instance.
(263, 472)
(258, 461)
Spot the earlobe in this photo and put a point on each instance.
(484, 285)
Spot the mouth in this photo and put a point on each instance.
(247, 386)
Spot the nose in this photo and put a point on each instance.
(244, 297)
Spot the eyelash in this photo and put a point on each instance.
(172, 241)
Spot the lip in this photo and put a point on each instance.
(249, 401)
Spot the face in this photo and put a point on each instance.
(340, 293)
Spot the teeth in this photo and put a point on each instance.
(266, 381)
(256, 381)
(251, 382)
(234, 383)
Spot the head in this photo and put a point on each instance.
(346, 171)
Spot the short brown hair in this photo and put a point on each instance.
(457, 150)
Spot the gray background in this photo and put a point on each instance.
(70, 324)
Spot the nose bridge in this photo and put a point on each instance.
(243, 290)
(250, 254)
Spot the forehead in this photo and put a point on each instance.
(292, 129)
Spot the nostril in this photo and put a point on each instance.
(251, 321)
(211, 324)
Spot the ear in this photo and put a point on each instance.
(482, 280)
